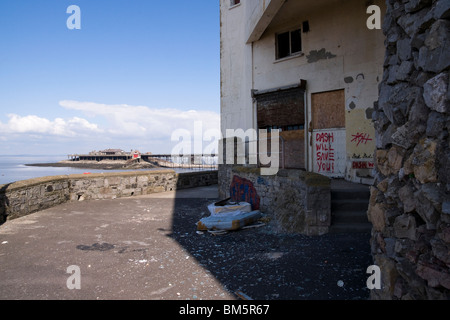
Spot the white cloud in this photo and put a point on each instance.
(142, 121)
(116, 126)
(33, 124)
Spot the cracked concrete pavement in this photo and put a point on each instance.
(148, 248)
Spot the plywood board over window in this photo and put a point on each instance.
(328, 109)
(329, 133)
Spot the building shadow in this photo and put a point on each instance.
(262, 264)
(4, 203)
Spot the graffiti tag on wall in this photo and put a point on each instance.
(361, 138)
(242, 190)
(363, 165)
(325, 152)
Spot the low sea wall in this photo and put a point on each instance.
(29, 196)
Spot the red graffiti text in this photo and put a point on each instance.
(325, 152)
(361, 138)
(362, 165)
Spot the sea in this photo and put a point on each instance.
(14, 168)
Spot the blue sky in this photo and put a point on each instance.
(134, 73)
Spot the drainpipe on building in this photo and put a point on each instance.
(282, 153)
(305, 105)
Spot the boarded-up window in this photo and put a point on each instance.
(284, 109)
(328, 109)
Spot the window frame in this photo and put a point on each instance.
(234, 3)
(291, 54)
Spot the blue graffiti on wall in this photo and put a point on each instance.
(242, 190)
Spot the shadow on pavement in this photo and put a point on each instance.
(265, 265)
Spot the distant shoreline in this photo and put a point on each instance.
(118, 165)
(107, 165)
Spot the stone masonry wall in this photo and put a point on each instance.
(33, 195)
(410, 199)
(296, 200)
(29, 196)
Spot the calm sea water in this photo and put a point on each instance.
(13, 168)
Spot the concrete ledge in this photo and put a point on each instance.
(26, 197)
(310, 178)
(120, 174)
(30, 183)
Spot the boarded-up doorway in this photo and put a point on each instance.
(283, 109)
(328, 133)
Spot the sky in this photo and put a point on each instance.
(135, 75)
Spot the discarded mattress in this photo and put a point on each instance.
(229, 208)
(230, 221)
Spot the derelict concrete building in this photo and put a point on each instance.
(310, 69)
(277, 52)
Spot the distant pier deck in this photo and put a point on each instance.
(209, 161)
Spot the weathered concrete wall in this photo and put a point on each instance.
(298, 201)
(410, 201)
(340, 52)
(29, 196)
(236, 67)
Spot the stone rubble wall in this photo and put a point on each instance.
(410, 199)
(26, 197)
(297, 201)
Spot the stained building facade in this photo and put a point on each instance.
(310, 70)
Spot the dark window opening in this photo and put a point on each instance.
(288, 43)
(305, 26)
(283, 45)
(235, 2)
(285, 128)
(296, 41)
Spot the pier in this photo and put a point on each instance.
(191, 161)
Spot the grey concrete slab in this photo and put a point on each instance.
(148, 248)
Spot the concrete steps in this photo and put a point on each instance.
(349, 204)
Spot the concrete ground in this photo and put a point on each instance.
(148, 248)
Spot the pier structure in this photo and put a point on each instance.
(191, 161)
(108, 154)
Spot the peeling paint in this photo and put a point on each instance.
(322, 54)
(369, 112)
(348, 79)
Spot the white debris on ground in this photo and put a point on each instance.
(229, 216)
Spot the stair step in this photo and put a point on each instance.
(349, 205)
(351, 228)
(350, 217)
(350, 194)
